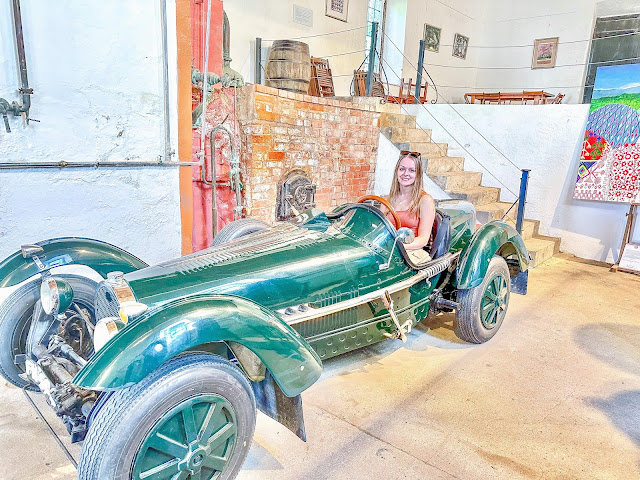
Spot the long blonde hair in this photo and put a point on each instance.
(417, 189)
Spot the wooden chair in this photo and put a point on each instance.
(360, 84)
(422, 92)
(407, 93)
(321, 84)
(555, 100)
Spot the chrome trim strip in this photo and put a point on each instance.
(311, 313)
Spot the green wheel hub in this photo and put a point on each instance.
(194, 440)
(494, 302)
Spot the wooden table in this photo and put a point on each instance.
(538, 97)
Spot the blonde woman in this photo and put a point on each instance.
(415, 207)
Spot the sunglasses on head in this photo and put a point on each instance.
(404, 153)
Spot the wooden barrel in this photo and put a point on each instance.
(288, 66)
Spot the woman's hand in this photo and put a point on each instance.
(427, 216)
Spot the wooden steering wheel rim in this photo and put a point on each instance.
(384, 202)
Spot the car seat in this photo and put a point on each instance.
(441, 234)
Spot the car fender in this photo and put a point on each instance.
(183, 324)
(493, 238)
(100, 256)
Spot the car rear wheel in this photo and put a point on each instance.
(193, 418)
(483, 308)
(15, 321)
(239, 228)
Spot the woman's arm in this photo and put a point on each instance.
(427, 216)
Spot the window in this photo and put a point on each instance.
(374, 14)
(612, 44)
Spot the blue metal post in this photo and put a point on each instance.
(522, 198)
(372, 57)
(419, 75)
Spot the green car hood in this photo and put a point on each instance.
(277, 267)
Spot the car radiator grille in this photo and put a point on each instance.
(107, 304)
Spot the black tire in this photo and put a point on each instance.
(15, 321)
(118, 443)
(480, 315)
(239, 228)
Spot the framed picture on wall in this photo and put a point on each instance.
(337, 9)
(544, 53)
(431, 38)
(460, 45)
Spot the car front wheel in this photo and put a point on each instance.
(193, 418)
(16, 313)
(483, 308)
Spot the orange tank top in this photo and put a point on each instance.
(409, 220)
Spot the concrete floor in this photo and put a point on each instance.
(555, 395)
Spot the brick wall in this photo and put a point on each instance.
(334, 142)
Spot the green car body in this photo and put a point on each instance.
(278, 301)
(267, 292)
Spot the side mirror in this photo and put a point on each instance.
(405, 235)
(29, 251)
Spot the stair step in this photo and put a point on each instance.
(403, 134)
(540, 249)
(456, 181)
(429, 149)
(478, 195)
(529, 228)
(495, 211)
(436, 165)
(397, 120)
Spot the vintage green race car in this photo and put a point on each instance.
(159, 369)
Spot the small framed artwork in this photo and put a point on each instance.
(544, 53)
(337, 9)
(431, 38)
(460, 45)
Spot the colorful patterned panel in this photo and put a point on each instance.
(619, 124)
(609, 168)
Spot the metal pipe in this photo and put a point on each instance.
(235, 162)
(522, 198)
(419, 73)
(235, 183)
(22, 59)
(51, 431)
(214, 192)
(165, 80)
(205, 84)
(63, 164)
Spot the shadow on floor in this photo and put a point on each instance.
(617, 345)
(623, 410)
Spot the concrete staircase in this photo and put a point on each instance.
(449, 174)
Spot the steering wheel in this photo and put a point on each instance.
(384, 202)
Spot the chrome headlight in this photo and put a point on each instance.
(56, 295)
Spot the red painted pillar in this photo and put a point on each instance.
(221, 104)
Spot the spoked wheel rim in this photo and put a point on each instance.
(493, 305)
(192, 441)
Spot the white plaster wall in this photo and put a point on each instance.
(95, 68)
(546, 139)
(273, 20)
(502, 33)
(504, 64)
(448, 72)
